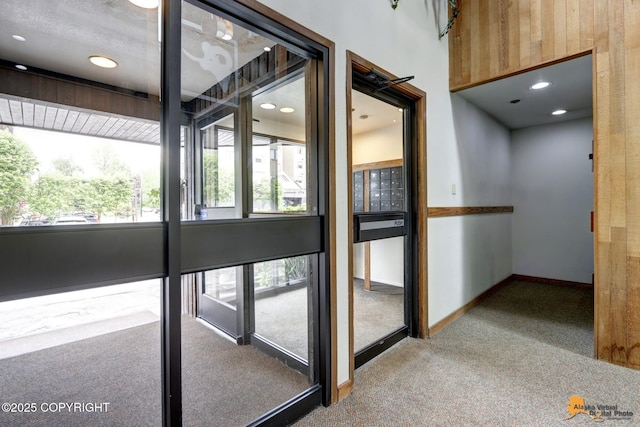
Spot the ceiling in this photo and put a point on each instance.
(570, 89)
(369, 114)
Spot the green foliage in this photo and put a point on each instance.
(152, 198)
(17, 164)
(219, 182)
(108, 162)
(54, 195)
(267, 195)
(111, 195)
(66, 167)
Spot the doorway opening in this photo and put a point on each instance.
(387, 200)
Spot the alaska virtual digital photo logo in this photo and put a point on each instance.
(597, 412)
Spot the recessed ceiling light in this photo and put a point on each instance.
(267, 106)
(19, 38)
(21, 67)
(558, 112)
(103, 61)
(146, 4)
(267, 49)
(400, 109)
(539, 85)
(287, 110)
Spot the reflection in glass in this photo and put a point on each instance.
(281, 290)
(279, 175)
(221, 285)
(218, 167)
(379, 310)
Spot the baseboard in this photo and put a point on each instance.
(344, 389)
(546, 281)
(468, 306)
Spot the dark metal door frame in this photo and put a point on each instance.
(411, 306)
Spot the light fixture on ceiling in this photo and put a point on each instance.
(267, 49)
(267, 106)
(558, 112)
(539, 85)
(103, 61)
(287, 110)
(21, 67)
(146, 4)
(224, 29)
(18, 38)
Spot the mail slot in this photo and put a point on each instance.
(373, 226)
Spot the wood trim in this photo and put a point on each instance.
(467, 210)
(555, 282)
(437, 327)
(345, 389)
(378, 165)
(28, 85)
(349, 101)
(333, 233)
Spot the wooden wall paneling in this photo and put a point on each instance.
(472, 55)
(586, 18)
(495, 44)
(548, 27)
(524, 33)
(573, 26)
(632, 158)
(536, 31)
(513, 35)
(482, 44)
(560, 28)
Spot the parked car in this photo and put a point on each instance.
(35, 221)
(91, 217)
(70, 219)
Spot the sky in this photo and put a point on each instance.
(49, 146)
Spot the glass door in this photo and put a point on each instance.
(249, 101)
(382, 205)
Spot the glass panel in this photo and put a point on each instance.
(56, 349)
(221, 284)
(85, 143)
(219, 166)
(282, 292)
(279, 175)
(378, 309)
(280, 181)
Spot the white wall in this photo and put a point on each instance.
(553, 196)
(468, 254)
(378, 145)
(405, 42)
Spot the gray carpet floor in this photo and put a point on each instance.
(376, 312)
(515, 360)
(223, 384)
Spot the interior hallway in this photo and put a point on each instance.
(515, 359)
